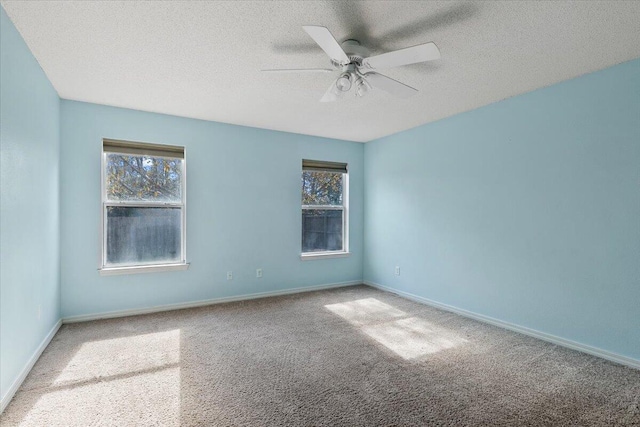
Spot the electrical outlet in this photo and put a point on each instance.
(397, 271)
(258, 272)
(229, 275)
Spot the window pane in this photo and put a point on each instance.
(321, 230)
(138, 236)
(321, 188)
(143, 178)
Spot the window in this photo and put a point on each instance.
(324, 208)
(143, 207)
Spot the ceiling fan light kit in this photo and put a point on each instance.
(362, 87)
(358, 69)
(344, 82)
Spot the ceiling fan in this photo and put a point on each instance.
(358, 69)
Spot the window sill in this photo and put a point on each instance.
(113, 271)
(308, 256)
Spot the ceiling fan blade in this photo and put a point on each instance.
(333, 93)
(409, 55)
(389, 85)
(328, 43)
(299, 70)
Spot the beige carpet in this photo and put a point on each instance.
(346, 357)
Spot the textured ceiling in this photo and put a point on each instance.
(202, 59)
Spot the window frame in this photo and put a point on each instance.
(107, 270)
(345, 223)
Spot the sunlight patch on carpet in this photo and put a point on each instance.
(151, 398)
(365, 311)
(408, 337)
(130, 380)
(122, 356)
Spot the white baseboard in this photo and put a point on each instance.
(27, 367)
(594, 351)
(201, 303)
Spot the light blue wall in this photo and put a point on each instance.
(29, 207)
(243, 210)
(527, 210)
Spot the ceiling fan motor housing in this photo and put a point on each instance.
(355, 51)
